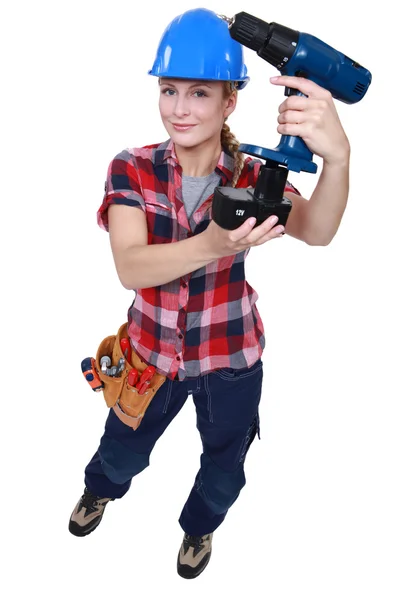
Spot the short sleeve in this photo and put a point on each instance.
(254, 170)
(122, 186)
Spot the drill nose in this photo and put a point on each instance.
(228, 20)
(249, 31)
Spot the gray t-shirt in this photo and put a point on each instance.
(197, 189)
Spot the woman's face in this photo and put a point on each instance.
(193, 112)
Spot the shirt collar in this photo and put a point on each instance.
(166, 152)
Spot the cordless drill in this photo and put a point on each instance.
(300, 55)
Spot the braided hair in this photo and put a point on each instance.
(229, 141)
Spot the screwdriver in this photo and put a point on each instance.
(126, 349)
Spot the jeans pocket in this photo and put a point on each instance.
(235, 374)
(251, 434)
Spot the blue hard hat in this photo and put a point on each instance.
(198, 45)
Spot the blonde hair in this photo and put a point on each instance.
(228, 139)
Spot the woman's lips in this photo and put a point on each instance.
(182, 127)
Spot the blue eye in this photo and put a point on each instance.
(172, 92)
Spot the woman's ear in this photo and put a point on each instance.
(230, 105)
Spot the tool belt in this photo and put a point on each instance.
(126, 400)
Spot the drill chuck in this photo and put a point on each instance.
(249, 31)
(274, 43)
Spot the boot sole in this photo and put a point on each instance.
(79, 531)
(188, 573)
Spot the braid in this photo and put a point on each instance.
(229, 141)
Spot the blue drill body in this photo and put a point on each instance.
(344, 78)
(299, 54)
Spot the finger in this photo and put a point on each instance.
(310, 88)
(273, 234)
(305, 104)
(292, 116)
(294, 129)
(265, 228)
(241, 232)
(297, 103)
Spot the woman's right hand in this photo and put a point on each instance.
(225, 242)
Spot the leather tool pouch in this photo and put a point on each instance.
(125, 400)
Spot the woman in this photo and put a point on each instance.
(194, 317)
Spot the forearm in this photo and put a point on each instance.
(328, 202)
(156, 264)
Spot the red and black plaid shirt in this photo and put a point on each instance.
(207, 319)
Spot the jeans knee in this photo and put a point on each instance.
(219, 488)
(119, 463)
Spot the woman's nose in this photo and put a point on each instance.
(181, 108)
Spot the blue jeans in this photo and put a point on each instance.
(226, 402)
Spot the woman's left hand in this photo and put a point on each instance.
(314, 119)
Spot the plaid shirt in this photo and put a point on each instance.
(205, 320)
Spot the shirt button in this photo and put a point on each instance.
(178, 358)
(184, 285)
(180, 336)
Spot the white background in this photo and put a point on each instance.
(319, 517)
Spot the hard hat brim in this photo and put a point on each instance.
(240, 84)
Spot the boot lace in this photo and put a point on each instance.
(194, 541)
(89, 500)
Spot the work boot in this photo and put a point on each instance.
(87, 513)
(194, 555)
